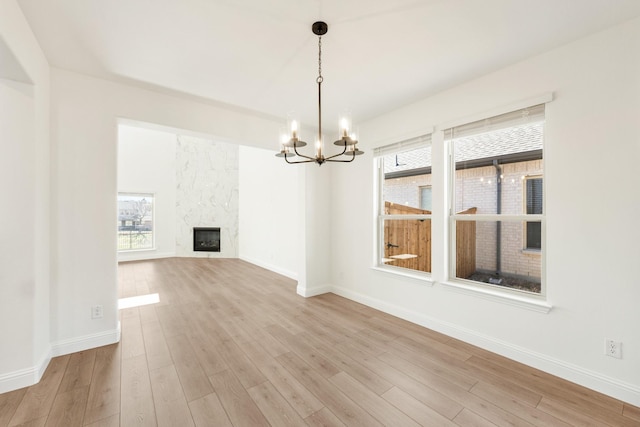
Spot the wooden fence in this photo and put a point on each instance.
(466, 245)
(407, 243)
(407, 238)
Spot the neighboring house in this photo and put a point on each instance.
(134, 213)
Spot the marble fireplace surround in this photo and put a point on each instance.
(207, 185)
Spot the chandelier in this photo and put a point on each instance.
(290, 143)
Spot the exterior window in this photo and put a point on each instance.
(491, 161)
(533, 196)
(135, 221)
(425, 197)
(404, 209)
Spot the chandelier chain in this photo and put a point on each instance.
(319, 79)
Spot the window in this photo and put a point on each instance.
(533, 201)
(425, 197)
(404, 205)
(492, 160)
(135, 221)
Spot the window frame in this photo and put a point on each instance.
(422, 141)
(441, 184)
(422, 187)
(453, 218)
(525, 237)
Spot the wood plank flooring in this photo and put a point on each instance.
(231, 344)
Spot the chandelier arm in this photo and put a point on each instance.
(295, 149)
(298, 161)
(342, 161)
(311, 159)
(344, 150)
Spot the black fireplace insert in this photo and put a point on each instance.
(206, 239)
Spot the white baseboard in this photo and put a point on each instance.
(25, 377)
(312, 292)
(32, 375)
(610, 386)
(143, 255)
(287, 273)
(85, 342)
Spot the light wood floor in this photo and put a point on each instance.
(232, 344)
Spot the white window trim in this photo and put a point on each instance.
(380, 217)
(126, 251)
(424, 278)
(510, 297)
(544, 98)
(513, 296)
(534, 302)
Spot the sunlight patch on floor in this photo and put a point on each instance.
(138, 301)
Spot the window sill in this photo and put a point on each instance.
(532, 252)
(425, 278)
(128, 251)
(529, 303)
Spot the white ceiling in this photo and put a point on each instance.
(261, 54)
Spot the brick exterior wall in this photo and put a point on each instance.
(405, 190)
(477, 187)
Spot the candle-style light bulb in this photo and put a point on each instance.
(294, 129)
(344, 125)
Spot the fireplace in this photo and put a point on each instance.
(206, 239)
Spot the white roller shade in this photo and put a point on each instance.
(406, 145)
(514, 118)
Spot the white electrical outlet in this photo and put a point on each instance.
(613, 348)
(97, 312)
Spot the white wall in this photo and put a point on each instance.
(85, 112)
(17, 233)
(307, 243)
(270, 211)
(591, 151)
(24, 217)
(147, 164)
(317, 201)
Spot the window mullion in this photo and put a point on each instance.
(499, 217)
